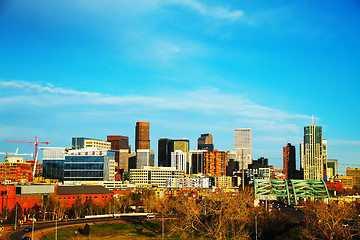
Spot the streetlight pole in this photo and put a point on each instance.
(243, 175)
(16, 215)
(256, 234)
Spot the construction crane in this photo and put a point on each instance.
(15, 154)
(36, 143)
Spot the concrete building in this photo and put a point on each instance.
(154, 176)
(53, 162)
(223, 181)
(347, 181)
(289, 161)
(198, 182)
(313, 153)
(215, 163)
(82, 142)
(142, 135)
(89, 164)
(205, 142)
(355, 174)
(145, 158)
(179, 160)
(243, 146)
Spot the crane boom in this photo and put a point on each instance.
(36, 143)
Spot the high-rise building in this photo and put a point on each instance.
(289, 161)
(215, 163)
(197, 161)
(142, 135)
(313, 153)
(232, 163)
(163, 152)
(179, 160)
(120, 145)
(243, 146)
(205, 142)
(301, 151)
(166, 146)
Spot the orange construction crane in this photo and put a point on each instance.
(36, 142)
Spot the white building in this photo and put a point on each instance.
(189, 182)
(243, 146)
(178, 160)
(154, 176)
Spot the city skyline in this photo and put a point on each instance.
(80, 68)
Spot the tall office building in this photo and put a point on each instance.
(163, 152)
(120, 145)
(301, 151)
(142, 135)
(179, 160)
(197, 161)
(205, 142)
(313, 153)
(289, 161)
(243, 146)
(215, 163)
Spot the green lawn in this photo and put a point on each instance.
(114, 231)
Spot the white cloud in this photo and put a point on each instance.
(205, 102)
(212, 11)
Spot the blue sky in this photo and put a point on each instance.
(93, 68)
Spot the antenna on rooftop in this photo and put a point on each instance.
(312, 117)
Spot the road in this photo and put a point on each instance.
(19, 234)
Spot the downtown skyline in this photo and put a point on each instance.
(81, 68)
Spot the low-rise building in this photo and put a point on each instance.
(223, 181)
(355, 174)
(89, 164)
(154, 176)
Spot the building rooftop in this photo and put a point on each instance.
(83, 189)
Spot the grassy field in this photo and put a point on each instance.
(121, 230)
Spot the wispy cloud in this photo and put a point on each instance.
(212, 11)
(28, 86)
(205, 101)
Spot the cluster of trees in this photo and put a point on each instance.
(133, 202)
(217, 215)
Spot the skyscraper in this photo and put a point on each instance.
(142, 135)
(243, 146)
(120, 145)
(313, 153)
(163, 152)
(289, 161)
(205, 142)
